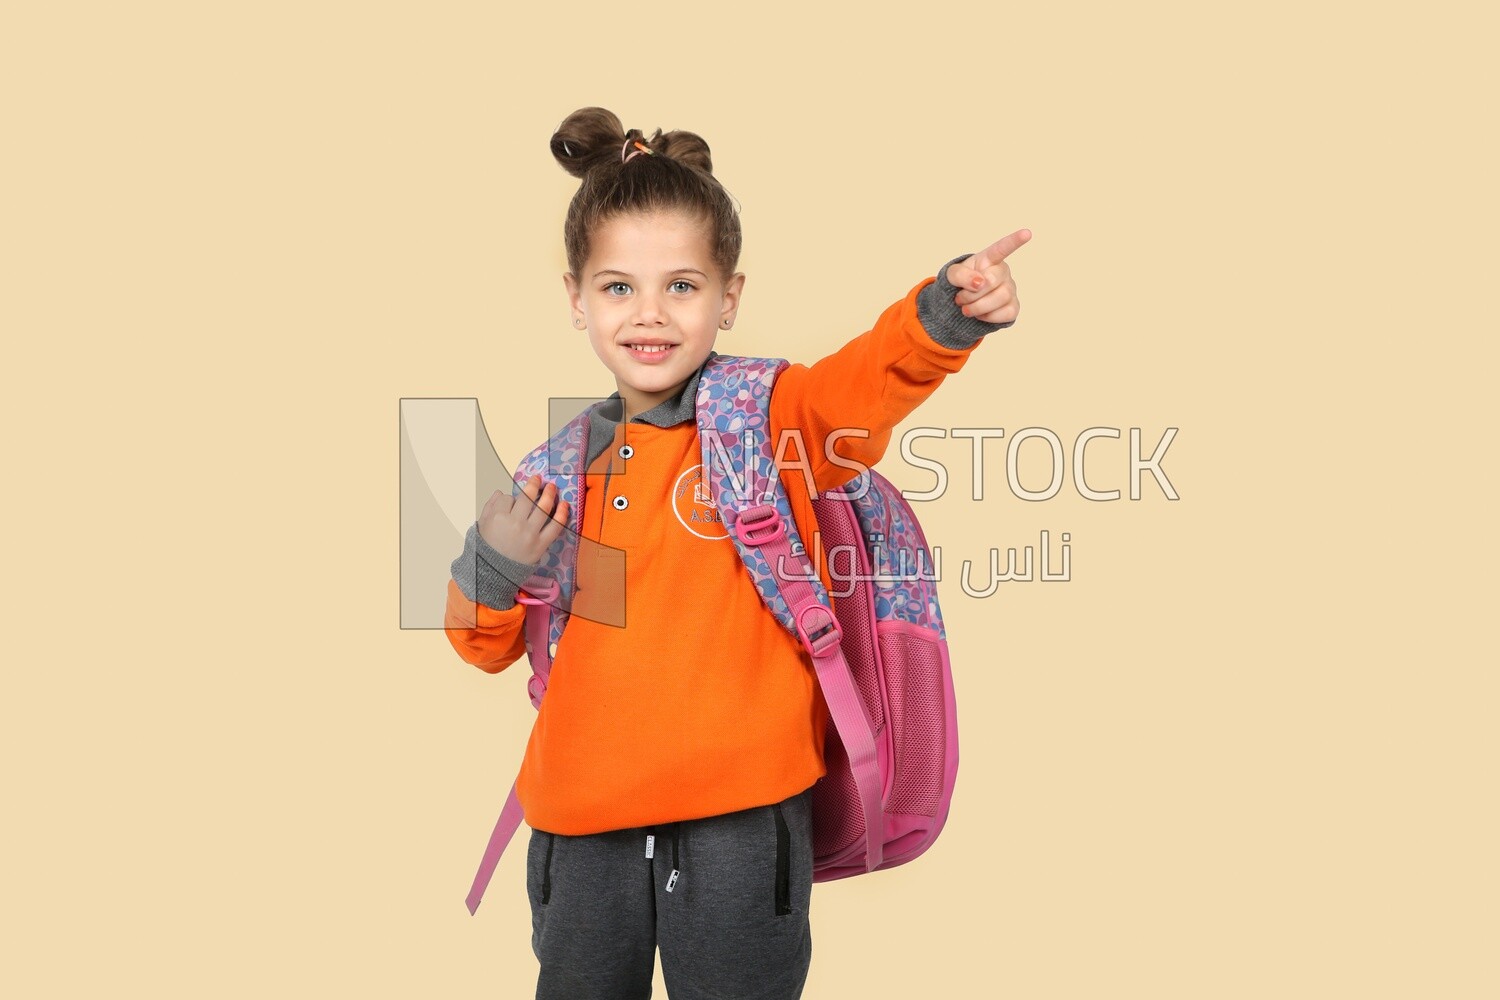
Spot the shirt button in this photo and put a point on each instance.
(626, 451)
(552, 649)
(621, 503)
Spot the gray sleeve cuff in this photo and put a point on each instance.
(944, 320)
(487, 575)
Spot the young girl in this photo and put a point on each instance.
(687, 739)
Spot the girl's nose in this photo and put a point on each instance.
(648, 311)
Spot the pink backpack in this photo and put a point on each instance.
(881, 660)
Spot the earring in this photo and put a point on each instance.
(726, 324)
(578, 323)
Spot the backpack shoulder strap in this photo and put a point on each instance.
(561, 461)
(733, 407)
(734, 427)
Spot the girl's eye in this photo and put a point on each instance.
(609, 289)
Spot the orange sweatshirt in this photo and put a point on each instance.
(701, 704)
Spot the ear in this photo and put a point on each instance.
(733, 288)
(575, 293)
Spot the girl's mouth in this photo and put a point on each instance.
(650, 353)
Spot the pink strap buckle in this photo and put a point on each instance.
(820, 637)
(759, 525)
(538, 590)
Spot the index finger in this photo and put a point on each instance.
(1000, 249)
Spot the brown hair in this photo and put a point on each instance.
(678, 175)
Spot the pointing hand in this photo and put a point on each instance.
(986, 289)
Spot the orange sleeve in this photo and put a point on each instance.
(868, 386)
(491, 640)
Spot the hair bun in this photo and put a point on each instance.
(685, 147)
(587, 138)
(593, 136)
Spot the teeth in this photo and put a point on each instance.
(651, 348)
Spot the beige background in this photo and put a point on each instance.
(1247, 751)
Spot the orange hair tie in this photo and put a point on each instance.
(639, 149)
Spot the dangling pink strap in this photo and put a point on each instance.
(538, 594)
(505, 828)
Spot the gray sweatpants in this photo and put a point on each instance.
(733, 923)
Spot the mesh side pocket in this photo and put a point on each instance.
(913, 670)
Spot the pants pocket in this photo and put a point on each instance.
(547, 869)
(539, 867)
(783, 863)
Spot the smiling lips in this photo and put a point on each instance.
(648, 352)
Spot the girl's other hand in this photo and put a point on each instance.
(986, 289)
(523, 527)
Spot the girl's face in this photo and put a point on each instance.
(653, 303)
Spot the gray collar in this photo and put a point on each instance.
(604, 418)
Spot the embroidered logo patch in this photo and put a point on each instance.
(693, 503)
